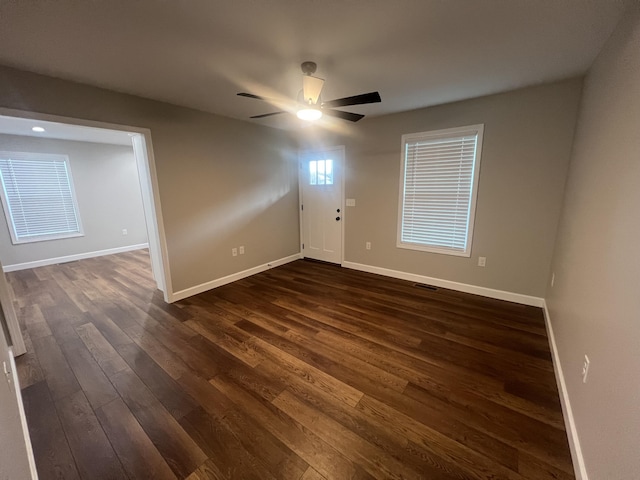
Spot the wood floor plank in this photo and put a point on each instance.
(434, 377)
(311, 374)
(179, 450)
(475, 464)
(90, 447)
(57, 372)
(374, 460)
(101, 350)
(223, 447)
(50, 447)
(306, 371)
(177, 402)
(308, 446)
(244, 349)
(363, 425)
(34, 322)
(95, 384)
(113, 332)
(207, 471)
(139, 457)
(509, 426)
(312, 474)
(259, 442)
(166, 359)
(208, 397)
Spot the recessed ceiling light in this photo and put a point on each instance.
(38, 129)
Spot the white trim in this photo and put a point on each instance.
(23, 418)
(438, 282)
(72, 258)
(7, 306)
(147, 178)
(579, 466)
(203, 287)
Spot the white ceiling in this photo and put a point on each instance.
(200, 53)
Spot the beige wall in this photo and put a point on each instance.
(222, 182)
(107, 190)
(595, 302)
(527, 144)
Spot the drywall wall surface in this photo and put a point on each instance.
(222, 182)
(107, 189)
(595, 301)
(527, 144)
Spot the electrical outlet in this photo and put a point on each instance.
(367, 245)
(241, 249)
(585, 369)
(125, 232)
(351, 202)
(553, 278)
(482, 261)
(234, 252)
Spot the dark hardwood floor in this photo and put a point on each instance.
(307, 371)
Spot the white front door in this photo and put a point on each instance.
(322, 209)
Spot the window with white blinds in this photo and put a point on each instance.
(38, 197)
(438, 187)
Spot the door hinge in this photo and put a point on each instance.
(302, 207)
(303, 246)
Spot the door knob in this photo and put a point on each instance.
(337, 219)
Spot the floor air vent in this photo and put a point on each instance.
(425, 286)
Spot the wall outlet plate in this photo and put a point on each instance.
(482, 261)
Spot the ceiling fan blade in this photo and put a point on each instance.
(311, 88)
(371, 97)
(250, 95)
(352, 117)
(267, 114)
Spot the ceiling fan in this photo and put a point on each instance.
(310, 106)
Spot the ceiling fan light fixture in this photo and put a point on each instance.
(309, 114)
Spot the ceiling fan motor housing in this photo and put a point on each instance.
(308, 68)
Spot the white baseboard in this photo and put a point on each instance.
(567, 413)
(438, 282)
(203, 287)
(72, 258)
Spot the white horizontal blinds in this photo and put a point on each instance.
(39, 197)
(438, 181)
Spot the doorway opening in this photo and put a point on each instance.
(133, 144)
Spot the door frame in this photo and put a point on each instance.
(143, 151)
(12, 375)
(301, 178)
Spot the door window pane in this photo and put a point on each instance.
(321, 172)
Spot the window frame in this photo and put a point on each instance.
(478, 131)
(30, 156)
